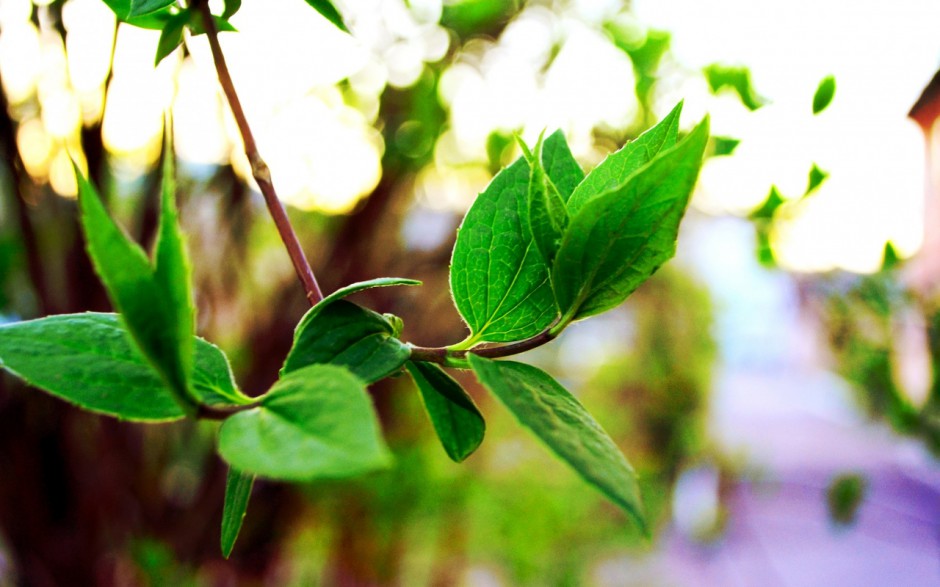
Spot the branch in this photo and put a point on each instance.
(443, 356)
(259, 169)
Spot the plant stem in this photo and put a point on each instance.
(204, 412)
(455, 358)
(259, 169)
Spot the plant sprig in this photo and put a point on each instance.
(542, 246)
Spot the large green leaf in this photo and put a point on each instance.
(237, 493)
(616, 169)
(342, 333)
(548, 217)
(498, 278)
(562, 423)
(154, 301)
(619, 238)
(329, 12)
(560, 164)
(316, 422)
(90, 361)
(456, 419)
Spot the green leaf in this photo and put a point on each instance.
(769, 207)
(155, 20)
(171, 36)
(456, 419)
(329, 12)
(548, 217)
(237, 492)
(352, 288)
(89, 360)
(724, 146)
(736, 78)
(199, 28)
(155, 300)
(562, 423)
(561, 165)
(143, 7)
(816, 177)
(620, 238)
(316, 422)
(231, 7)
(844, 497)
(342, 333)
(148, 308)
(614, 171)
(498, 278)
(824, 94)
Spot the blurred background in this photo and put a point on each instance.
(776, 385)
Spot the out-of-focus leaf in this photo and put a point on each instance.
(845, 496)
(724, 146)
(237, 493)
(816, 177)
(769, 207)
(824, 94)
(144, 7)
(329, 12)
(738, 79)
(171, 36)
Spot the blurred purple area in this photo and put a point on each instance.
(790, 427)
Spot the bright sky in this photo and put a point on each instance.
(324, 151)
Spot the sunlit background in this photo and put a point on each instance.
(421, 101)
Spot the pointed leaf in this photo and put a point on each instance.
(456, 419)
(561, 165)
(342, 333)
(171, 36)
(824, 94)
(146, 307)
(562, 423)
(352, 288)
(329, 12)
(316, 422)
(89, 360)
(237, 493)
(498, 278)
(548, 217)
(614, 171)
(816, 177)
(620, 238)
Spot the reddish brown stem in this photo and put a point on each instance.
(259, 169)
(445, 356)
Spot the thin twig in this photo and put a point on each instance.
(259, 168)
(444, 356)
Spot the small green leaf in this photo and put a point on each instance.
(562, 423)
(237, 492)
(560, 164)
(143, 7)
(329, 12)
(199, 28)
(548, 217)
(456, 419)
(722, 146)
(769, 207)
(316, 422)
(231, 7)
(614, 171)
(738, 79)
(89, 360)
(171, 36)
(498, 278)
(156, 21)
(844, 497)
(816, 177)
(352, 288)
(342, 333)
(156, 314)
(824, 94)
(621, 237)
